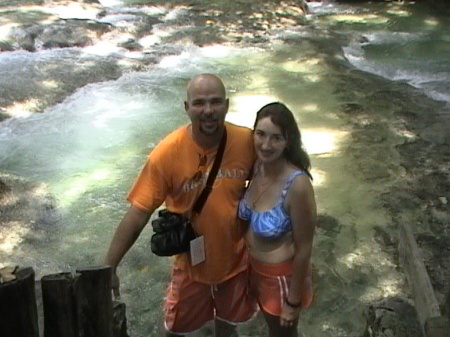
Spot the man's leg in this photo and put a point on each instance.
(224, 329)
(189, 305)
(233, 305)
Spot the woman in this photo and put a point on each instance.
(280, 207)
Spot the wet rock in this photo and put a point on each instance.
(436, 134)
(7, 274)
(6, 46)
(131, 45)
(392, 317)
(352, 108)
(374, 136)
(63, 36)
(432, 186)
(89, 69)
(119, 320)
(328, 224)
(14, 2)
(24, 37)
(384, 238)
(3, 188)
(399, 199)
(3, 114)
(25, 210)
(373, 170)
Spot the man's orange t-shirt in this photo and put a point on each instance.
(168, 176)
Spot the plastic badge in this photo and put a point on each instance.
(197, 250)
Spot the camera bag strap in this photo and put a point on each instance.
(212, 175)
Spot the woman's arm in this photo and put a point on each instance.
(301, 206)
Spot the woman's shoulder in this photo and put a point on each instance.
(293, 173)
(300, 183)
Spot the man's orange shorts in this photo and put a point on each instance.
(189, 304)
(270, 285)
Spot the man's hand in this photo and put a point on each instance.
(115, 284)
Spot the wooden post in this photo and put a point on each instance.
(425, 301)
(60, 316)
(94, 302)
(18, 309)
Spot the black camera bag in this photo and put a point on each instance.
(172, 234)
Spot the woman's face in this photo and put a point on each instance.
(268, 140)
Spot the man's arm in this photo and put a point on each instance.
(125, 236)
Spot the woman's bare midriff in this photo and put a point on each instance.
(270, 250)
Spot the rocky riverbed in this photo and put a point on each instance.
(122, 40)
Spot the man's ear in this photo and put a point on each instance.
(227, 102)
(186, 106)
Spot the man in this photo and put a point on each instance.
(175, 173)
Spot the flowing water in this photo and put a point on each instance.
(86, 152)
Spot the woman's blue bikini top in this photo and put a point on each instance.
(272, 223)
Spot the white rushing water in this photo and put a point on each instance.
(401, 44)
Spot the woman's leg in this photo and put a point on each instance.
(276, 330)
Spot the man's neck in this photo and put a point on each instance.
(205, 141)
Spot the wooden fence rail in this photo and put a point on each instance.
(74, 305)
(433, 323)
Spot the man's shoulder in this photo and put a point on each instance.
(234, 130)
(176, 135)
(170, 142)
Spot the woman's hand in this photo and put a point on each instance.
(289, 315)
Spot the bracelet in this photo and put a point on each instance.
(293, 305)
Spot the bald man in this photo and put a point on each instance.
(213, 287)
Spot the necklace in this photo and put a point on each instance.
(263, 184)
(261, 194)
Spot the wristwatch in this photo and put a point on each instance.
(293, 305)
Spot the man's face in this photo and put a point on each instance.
(206, 106)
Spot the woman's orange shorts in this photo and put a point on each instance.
(270, 283)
